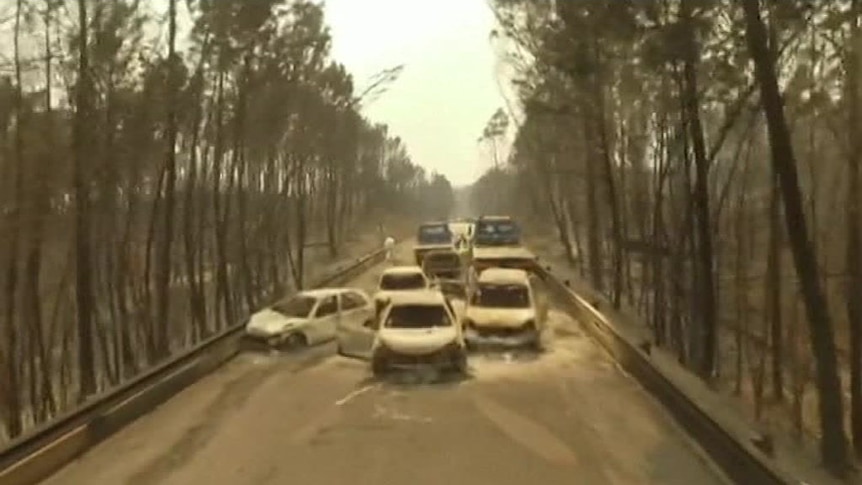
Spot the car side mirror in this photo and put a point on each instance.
(370, 324)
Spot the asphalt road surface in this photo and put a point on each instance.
(565, 416)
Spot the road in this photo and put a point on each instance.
(566, 416)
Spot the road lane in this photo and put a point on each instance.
(195, 414)
(568, 415)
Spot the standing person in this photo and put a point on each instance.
(389, 245)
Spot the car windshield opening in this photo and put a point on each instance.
(497, 234)
(453, 288)
(435, 234)
(413, 281)
(417, 316)
(501, 296)
(497, 228)
(443, 260)
(434, 230)
(297, 306)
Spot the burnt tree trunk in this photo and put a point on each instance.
(162, 339)
(594, 246)
(603, 148)
(774, 290)
(705, 295)
(83, 278)
(853, 256)
(833, 443)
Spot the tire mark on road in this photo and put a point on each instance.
(526, 432)
(232, 396)
(307, 433)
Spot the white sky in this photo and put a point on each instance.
(448, 89)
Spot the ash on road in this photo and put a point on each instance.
(565, 416)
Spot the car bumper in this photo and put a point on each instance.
(251, 340)
(504, 336)
(443, 359)
(449, 274)
(453, 288)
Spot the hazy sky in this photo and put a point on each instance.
(448, 89)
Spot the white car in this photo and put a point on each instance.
(417, 329)
(503, 307)
(310, 317)
(396, 279)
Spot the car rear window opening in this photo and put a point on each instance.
(402, 282)
(417, 316)
(501, 296)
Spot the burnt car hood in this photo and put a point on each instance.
(502, 252)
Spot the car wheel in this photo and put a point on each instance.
(378, 368)
(536, 344)
(295, 341)
(274, 342)
(469, 346)
(459, 364)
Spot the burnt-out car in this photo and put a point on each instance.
(432, 236)
(497, 243)
(398, 279)
(504, 308)
(456, 289)
(443, 264)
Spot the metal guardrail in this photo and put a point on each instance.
(738, 459)
(41, 452)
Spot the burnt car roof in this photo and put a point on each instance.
(441, 252)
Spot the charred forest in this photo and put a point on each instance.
(699, 162)
(166, 167)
